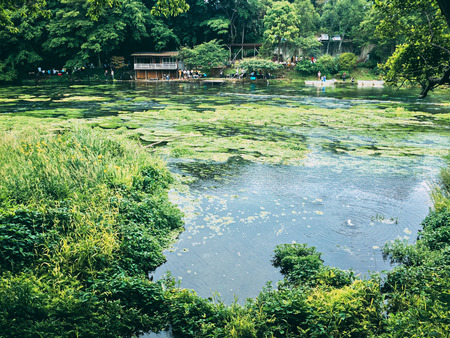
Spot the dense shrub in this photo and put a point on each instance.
(302, 266)
(306, 68)
(436, 230)
(327, 65)
(347, 61)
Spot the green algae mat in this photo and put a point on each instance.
(268, 124)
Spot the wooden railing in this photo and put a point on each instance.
(156, 66)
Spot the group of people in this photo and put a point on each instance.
(243, 74)
(112, 74)
(53, 71)
(190, 74)
(323, 78)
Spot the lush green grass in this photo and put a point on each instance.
(80, 210)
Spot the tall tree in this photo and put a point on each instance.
(309, 19)
(281, 24)
(340, 17)
(423, 56)
(20, 50)
(241, 14)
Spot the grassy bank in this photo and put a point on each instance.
(83, 217)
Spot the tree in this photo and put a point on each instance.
(205, 56)
(242, 15)
(281, 24)
(96, 7)
(423, 54)
(77, 40)
(18, 48)
(308, 17)
(340, 17)
(309, 21)
(309, 45)
(25, 8)
(366, 38)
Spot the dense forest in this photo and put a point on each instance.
(410, 39)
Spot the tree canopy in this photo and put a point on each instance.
(423, 43)
(205, 56)
(281, 24)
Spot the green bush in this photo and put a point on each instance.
(436, 230)
(352, 311)
(327, 65)
(347, 61)
(302, 266)
(286, 311)
(306, 68)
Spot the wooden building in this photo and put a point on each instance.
(155, 66)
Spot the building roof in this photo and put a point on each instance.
(155, 54)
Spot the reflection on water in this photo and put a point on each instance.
(113, 98)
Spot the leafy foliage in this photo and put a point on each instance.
(89, 211)
(205, 56)
(327, 65)
(281, 24)
(422, 54)
(306, 68)
(256, 64)
(342, 17)
(347, 61)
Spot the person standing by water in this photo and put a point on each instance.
(112, 74)
(319, 75)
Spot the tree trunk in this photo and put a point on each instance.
(242, 41)
(279, 50)
(434, 82)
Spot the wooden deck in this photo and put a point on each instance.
(320, 83)
(370, 83)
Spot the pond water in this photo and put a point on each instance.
(344, 169)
